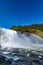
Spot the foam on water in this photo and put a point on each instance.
(12, 39)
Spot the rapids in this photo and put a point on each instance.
(13, 39)
(18, 48)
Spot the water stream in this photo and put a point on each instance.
(16, 45)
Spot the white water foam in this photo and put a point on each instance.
(12, 39)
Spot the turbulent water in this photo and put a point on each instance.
(9, 40)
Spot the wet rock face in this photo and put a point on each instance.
(4, 60)
(32, 59)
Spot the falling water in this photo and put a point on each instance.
(13, 39)
(12, 44)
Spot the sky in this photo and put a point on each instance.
(20, 12)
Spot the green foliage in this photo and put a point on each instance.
(27, 28)
(3, 64)
(34, 28)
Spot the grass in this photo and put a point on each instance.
(39, 33)
(2, 64)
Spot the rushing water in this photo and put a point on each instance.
(17, 45)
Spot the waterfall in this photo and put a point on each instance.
(13, 39)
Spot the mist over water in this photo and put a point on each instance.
(12, 39)
(20, 48)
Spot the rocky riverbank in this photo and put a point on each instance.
(31, 59)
